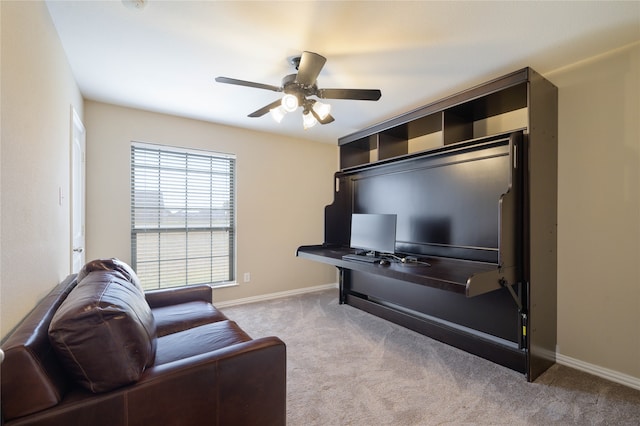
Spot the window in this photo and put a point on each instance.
(182, 216)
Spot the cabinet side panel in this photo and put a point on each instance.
(543, 201)
(337, 216)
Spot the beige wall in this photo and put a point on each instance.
(283, 185)
(37, 90)
(599, 210)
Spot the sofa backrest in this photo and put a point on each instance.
(32, 377)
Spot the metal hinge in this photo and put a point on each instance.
(524, 319)
(504, 283)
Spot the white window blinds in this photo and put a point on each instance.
(182, 216)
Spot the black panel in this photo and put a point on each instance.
(494, 313)
(446, 205)
(508, 356)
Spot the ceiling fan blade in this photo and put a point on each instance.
(265, 109)
(248, 84)
(310, 66)
(357, 94)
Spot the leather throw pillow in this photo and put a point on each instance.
(104, 333)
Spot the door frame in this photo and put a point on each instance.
(78, 132)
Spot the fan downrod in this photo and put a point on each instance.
(295, 61)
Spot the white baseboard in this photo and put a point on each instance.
(605, 373)
(272, 296)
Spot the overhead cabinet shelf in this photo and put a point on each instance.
(445, 122)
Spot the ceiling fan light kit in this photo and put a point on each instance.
(290, 102)
(278, 113)
(297, 87)
(308, 120)
(314, 112)
(322, 110)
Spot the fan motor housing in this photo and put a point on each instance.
(291, 86)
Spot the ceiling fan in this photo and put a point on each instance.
(297, 89)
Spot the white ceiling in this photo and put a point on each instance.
(165, 56)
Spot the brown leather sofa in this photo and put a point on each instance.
(97, 350)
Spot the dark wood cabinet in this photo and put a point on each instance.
(472, 179)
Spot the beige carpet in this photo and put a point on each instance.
(347, 367)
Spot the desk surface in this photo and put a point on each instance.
(444, 273)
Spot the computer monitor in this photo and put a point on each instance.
(373, 232)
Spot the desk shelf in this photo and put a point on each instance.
(455, 275)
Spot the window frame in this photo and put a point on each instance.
(230, 228)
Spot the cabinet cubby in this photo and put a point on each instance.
(358, 152)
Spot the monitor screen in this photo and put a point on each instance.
(374, 232)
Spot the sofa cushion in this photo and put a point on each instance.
(104, 332)
(199, 340)
(174, 318)
(112, 264)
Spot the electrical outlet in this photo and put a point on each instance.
(247, 277)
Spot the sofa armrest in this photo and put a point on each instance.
(240, 384)
(243, 384)
(174, 296)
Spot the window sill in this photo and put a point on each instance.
(225, 285)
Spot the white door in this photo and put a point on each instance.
(78, 142)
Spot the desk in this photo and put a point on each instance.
(459, 276)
